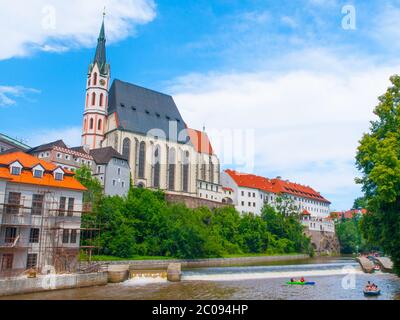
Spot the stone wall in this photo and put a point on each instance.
(14, 286)
(324, 242)
(193, 202)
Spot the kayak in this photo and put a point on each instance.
(372, 293)
(299, 283)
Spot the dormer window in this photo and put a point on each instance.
(37, 173)
(15, 171)
(59, 174)
(16, 168)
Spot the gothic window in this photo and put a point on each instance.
(85, 124)
(101, 100)
(171, 169)
(95, 79)
(157, 167)
(91, 125)
(211, 171)
(142, 160)
(99, 125)
(116, 141)
(87, 100)
(185, 172)
(203, 171)
(126, 148)
(93, 99)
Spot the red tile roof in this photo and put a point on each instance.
(349, 214)
(228, 189)
(277, 186)
(26, 176)
(200, 141)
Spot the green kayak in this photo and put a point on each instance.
(299, 283)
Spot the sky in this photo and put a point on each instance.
(298, 79)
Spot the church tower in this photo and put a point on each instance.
(95, 114)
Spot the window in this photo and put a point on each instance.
(14, 199)
(73, 236)
(242, 203)
(142, 160)
(114, 183)
(156, 168)
(11, 235)
(59, 156)
(37, 204)
(71, 202)
(63, 201)
(98, 169)
(242, 193)
(15, 171)
(59, 176)
(101, 99)
(91, 124)
(31, 261)
(254, 194)
(126, 148)
(38, 173)
(93, 99)
(95, 79)
(171, 169)
(119, 171)
(67, 157)
(123, 184)
(249, 194)
(65, 236)
(249, 204)
(7, 261)
(185, 172)
(34, 235)
(99, 125)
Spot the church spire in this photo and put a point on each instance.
(100, 57)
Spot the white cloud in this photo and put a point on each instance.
(59, 25)
(70, 135)
(308, 119)
(9, 94)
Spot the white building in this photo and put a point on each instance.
(40, 215)
(251, 192)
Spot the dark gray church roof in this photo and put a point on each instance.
(140, 110)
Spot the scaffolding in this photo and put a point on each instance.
(42, 234)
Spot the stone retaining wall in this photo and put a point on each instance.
(14, 286)
(194, 202)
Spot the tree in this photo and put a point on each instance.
(360, 203)
(378, 159)
(285, 205)
(94, 188)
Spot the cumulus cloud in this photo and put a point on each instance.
(57, 25)
(10, 94)
(308, 117)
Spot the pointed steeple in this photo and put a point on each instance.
(100, 57)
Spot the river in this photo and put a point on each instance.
(336, 279)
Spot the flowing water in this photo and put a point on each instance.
(339, 278)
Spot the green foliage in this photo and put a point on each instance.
(360, 203)
(349, 236)
(144, 224)
(378, 158)
(95, 189)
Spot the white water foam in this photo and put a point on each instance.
(266, 275)
(141, 281)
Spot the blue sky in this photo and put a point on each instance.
(285, 69)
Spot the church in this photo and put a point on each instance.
(147, 128)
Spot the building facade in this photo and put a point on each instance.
(252, 192)
(112, 170)
(146, 127)
(7, 143)
(58, 153)
(40, 216)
